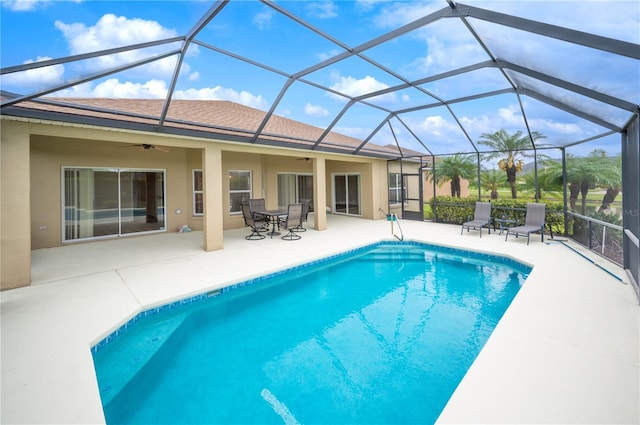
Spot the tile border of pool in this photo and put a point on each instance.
(505, 260)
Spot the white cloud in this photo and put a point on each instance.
(263, 19)
(157, 89)
(437, 127)
(113, 88)
(323, 10)
(39, 77)
(326, 55)
(401, 13)
(111, 31)
(315, 111)
(510, 116)
(23, 5)
(194, 76)
(355, 87)
(153, 89)
(116, 31)
(223, 93)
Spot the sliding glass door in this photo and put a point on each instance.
(293, 188)
(112, 202)
(346, 194)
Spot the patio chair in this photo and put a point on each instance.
(258, 204)
(481, 218)
(304, 216)
(253, 222)
(533, 222)
(293, 220)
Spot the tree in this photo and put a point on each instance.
(587, 172)
(511, 149)
(492, 180)
(549, 179)
(613, 180)
(453, 168)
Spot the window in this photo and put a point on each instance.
(198, 193)
(397, 191)
(239, 189)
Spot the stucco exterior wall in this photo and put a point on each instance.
(444, 189)
(15, 208)
(365, 170)
(33, 155)
(50, 154)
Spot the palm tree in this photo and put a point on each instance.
(549, 179)
(492, 180)
(586, 172)
(453, 168)
(613, 180)
(511, 148)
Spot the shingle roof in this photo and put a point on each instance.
(208, 118)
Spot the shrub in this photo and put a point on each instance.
(458, 210)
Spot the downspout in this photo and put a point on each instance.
(564, 191)
(535, 173)
(479, 184)
(401, 186)
(388, 200)
(433, 180)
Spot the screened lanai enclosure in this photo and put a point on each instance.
(534, 101)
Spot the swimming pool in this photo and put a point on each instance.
(382, 334)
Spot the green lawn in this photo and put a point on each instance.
(593, 196)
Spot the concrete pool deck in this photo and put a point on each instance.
(566, 351)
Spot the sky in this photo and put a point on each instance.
(35, 30)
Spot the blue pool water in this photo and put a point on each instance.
(383, 334)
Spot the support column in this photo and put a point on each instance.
(213, 198)
(320, 194)
(15, 206)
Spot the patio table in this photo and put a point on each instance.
(505, 223)
(273, 216)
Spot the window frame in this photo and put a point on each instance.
(197, 192)
(248, 191)
(400, 191)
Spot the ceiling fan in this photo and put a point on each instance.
(303, 159)
(147, 146)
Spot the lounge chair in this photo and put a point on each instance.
(293, 220)
(481, 218)
(253, 222)
(306, 203)
(533, 222)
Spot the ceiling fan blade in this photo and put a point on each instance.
(146, 147)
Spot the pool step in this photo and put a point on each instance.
(113, 378)
(393, 257)
(395, 254)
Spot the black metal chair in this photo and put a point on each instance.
(293, 220)
(253, 222)
(306, 203)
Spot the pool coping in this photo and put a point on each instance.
(145, 312)
(566, 350)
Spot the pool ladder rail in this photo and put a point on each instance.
(393, 219)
